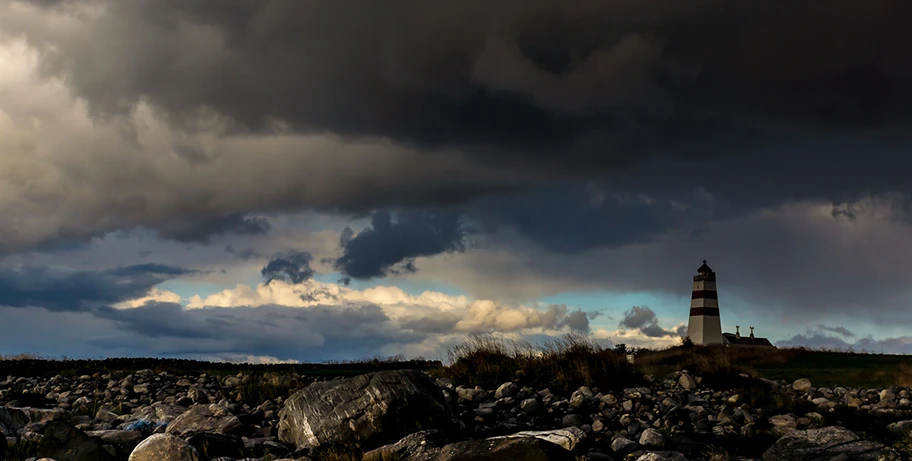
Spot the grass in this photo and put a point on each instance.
(825, 368)
(575, 360)
(561, 365)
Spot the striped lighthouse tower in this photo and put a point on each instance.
(704, 327)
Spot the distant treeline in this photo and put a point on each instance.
(42, 367)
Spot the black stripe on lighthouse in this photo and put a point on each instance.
(706, 311)
(705, 294)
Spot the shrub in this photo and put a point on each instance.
(561, 365)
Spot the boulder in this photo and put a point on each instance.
(370, 410)
(420, 445)
(651, 437)
(501, 449)
(123, 440)
(157, 414)
(63, 442)
(205, 418)
(164, 447)
(802, 385)
(567, 438)
(508, 389)
(825, 444)
(900, 427)
(662, 456)
(687, 381)
(11, 421)
(426, 446)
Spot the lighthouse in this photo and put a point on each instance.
(705, 326)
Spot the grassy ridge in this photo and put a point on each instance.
(823, 367)
(575, 360)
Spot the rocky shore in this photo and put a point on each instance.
(406, 415)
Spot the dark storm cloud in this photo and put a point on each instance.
(203, 231)
(68, 290)
(644, 319)
(292, 267)
(575, 216)
(578, 86)
(391, 246)
(534, 90)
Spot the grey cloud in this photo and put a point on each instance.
(196, 231)
(514, 95)
(842, 331)
(390, 246)
(519, 73)
(442, 323)
(578, 321)
(794, 262)
(292, 267)
(644, 319)
(163, 329)
(73, 290)
(249, 253)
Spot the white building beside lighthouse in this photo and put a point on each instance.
(705, 325)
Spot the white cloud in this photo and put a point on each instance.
(429, 311)
(635, 338)
(244, 358)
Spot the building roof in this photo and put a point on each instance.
(704, 269)
(747, 340)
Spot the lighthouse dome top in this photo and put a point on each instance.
(704, 269)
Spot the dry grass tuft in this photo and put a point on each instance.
(561, 365)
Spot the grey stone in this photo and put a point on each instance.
(567, 438)
(651, 438)
(802, 385)
(687, 381)
(164, 447)
(372, 410)
(205, 418)
(64, 442)
(825, 444)
(506, 390)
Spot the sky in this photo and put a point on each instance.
(280, 180)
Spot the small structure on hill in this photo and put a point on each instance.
(750, 341)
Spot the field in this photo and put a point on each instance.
(823, 367)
